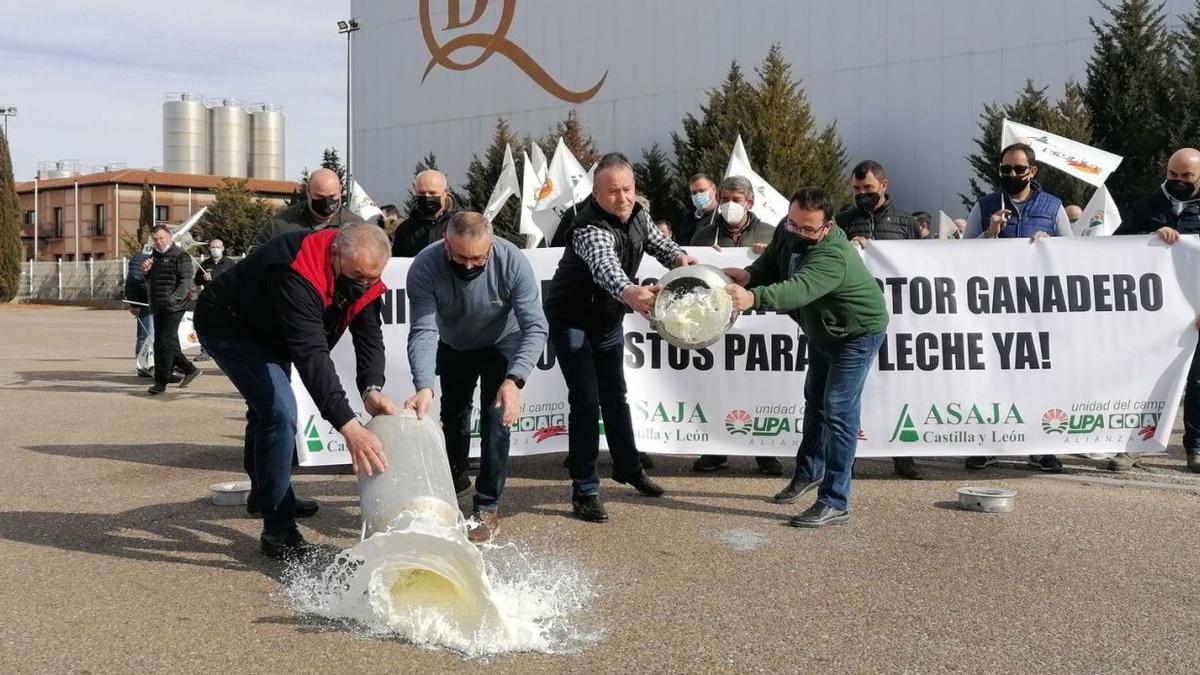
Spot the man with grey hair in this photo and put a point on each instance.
(322, 208)
(474, 315)
(285, 304)
(736, 225)
(585, 305)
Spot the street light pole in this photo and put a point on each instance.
(7, 112)
(348, 27)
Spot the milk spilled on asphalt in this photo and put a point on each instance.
(415, 576)
(695, 316)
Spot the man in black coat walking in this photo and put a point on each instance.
(168, 283)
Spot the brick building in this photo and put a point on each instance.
(84, 217)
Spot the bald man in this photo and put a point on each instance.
(321, 208)
(1168, 212)
(1074, 213)
(432, 208)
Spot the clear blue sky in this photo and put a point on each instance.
(88, 76)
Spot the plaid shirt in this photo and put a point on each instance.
(599, 250)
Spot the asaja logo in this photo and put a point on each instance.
(482, 45)
(906, 431)
(312, 437)
(955, 422)
(738, 422)
(1054, 421)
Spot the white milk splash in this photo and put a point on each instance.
(695, 316)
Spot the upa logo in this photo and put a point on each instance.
(1054, 421)
(738, 422)
(482, 45)
(312, 437)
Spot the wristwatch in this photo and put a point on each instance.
(371, 388)
(516, 380)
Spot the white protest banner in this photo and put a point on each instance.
(947, 228)
(1100, 217)
(1088, 164)
(995, 348)
(507, 186)
(361, 204)
(770, 206)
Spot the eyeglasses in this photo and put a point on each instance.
(477, 261)
(1014, 169)
(805, 230)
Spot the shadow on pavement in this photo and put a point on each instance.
(178, 455)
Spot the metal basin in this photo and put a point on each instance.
(234, 493)
(987, 500)
(682, 280)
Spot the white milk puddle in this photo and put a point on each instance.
(742, 540)
(422, 581)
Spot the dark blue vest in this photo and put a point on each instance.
(1039, 213)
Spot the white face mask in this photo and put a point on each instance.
(732, 213)
(216, 252)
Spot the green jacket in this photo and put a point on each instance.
(825, 287)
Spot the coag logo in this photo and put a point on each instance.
(491, 43)
(738, 422)
(312, 437)
(1054, 421)
(549, 432)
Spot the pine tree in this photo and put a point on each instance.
(1132, 93)
(10, 227)
(1187, 133)
(133, 244)
(777, 126)
(1067, 117)
(301, 192)
(332, 161)
(574, 137)
(657, 181)
(235, 216)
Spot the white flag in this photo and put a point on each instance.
(539, 161)
(1084, 162)
(1100, 217)
(592, 172)
(361, 204)
(947, 229)
(565, 184)
(507, 186)
(531, 185)
(769, 205)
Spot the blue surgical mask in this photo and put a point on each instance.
(700, 200)
(216, 253)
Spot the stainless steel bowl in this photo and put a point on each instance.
(234, 493)
(681, 280)
(987, 500)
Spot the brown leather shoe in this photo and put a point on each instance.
(482, 526)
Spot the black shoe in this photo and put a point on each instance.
(795, 489)
(1124, 461)
(190, 378)
(1193, 462)
(156, 389)
(647, 460)
(567, 462)
(906, 467)
(980, 462)
(286, 545)
(769, 466)
(462, 483)
(145, 373)
(589, 508)
(642, 483)
(305, 508)
(819, 515)
(1047, 463)
(708, 463)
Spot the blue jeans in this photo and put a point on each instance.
(1191, 406)
(593, 366)
(264, 379)
(832, 408)
(458, 371)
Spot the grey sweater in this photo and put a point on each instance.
(499, 307)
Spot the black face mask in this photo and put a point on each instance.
(867, 201)
(1180, 189)
(347, 291)
(427, 205)
(325, 207)
(460, 270)
(1014, 185)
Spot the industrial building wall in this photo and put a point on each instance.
(905, 80)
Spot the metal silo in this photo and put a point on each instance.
(185, 133)
(230, 139)
(266, 141)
